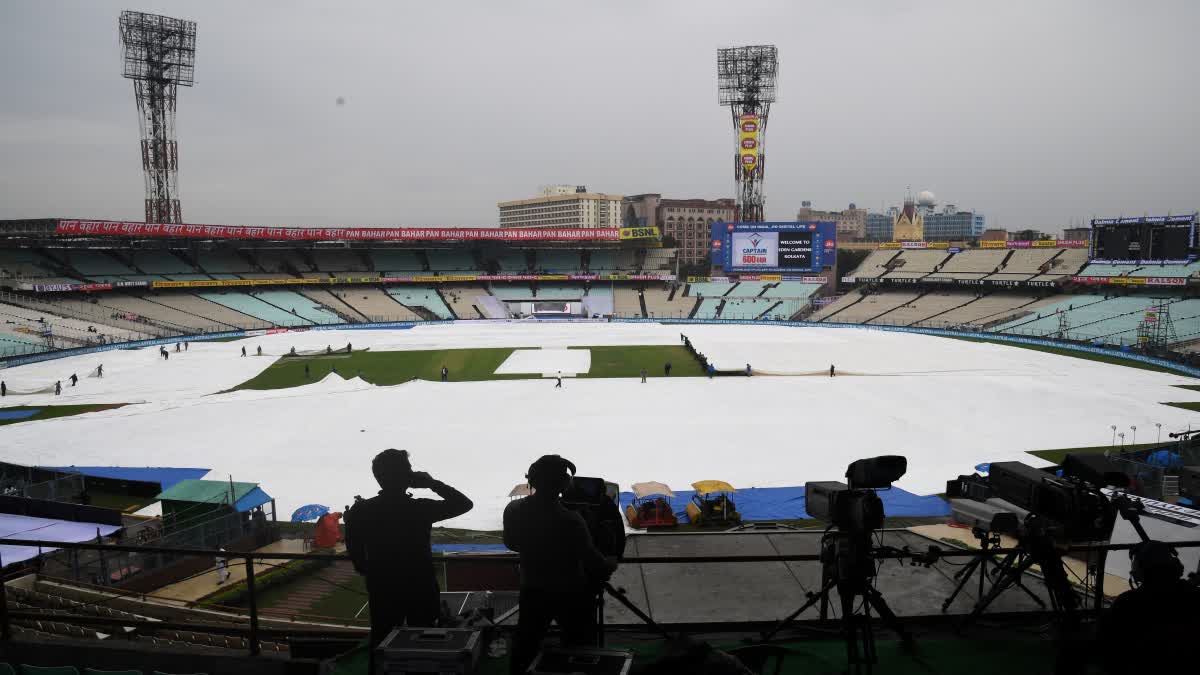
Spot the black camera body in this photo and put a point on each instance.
(589, 497)
(853, 507)
(847, 509)
(1075, 509)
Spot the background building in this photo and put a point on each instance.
(909, 224)
(851, 222)
(920, 220)
(1077, 233)
(563, 206)
(994, 234)
(687, 221)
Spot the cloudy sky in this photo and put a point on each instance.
(1035, 113)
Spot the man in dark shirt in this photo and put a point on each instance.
(561, 568)
(1148, 625)
(388, 540)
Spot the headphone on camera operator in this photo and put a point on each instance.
(1154, 562)
(586, 496)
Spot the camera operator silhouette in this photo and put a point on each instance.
(388, 541)
(562, 570)
(1150, 627)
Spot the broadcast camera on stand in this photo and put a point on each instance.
(1044, 512)
(854, 512)
(596, 501)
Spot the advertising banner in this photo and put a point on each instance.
(890, 245)
(639, 233)
(1132, 281)
(110, 228)
(1046, 243)
(889, 281)
(748, 142)
(755, 249)
(993, 244)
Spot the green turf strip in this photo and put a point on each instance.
(464, 365)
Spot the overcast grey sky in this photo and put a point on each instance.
(1036, 113)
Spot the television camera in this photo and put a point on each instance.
(1044, 511)
(854, 512)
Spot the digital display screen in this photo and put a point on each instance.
(773, 247)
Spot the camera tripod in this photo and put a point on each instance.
(987, 541)
(1037, 547)
(849, 569)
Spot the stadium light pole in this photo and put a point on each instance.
(1133, 439)
(1158, 425)
(1122, 435)
(1114, 428)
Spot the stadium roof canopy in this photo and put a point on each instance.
(165, 476)
(14, 526)
(246, 495)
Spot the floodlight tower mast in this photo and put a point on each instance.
(158, 53)
(746, 83)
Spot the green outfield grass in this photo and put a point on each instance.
(51, 411)
(1061, 351)
(1057, 456)
(464, 365)
(629, 361)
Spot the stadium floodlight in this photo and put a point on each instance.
(158, 53)
(1114, 428)
(1133, 440)
(1122, 436)
(746, 84)
(1158, 425)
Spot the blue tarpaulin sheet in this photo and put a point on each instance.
(251, 499)
(166, 476)
(17, 414)
(787, 503)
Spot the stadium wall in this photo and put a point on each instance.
(941, 332)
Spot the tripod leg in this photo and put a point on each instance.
(889, 618)
(620, 596)
(964, 575)
(821, 596)
(1019, 584)
(1011, 573)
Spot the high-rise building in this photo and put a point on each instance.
(563, 207)
(687, 221)
(953, 225)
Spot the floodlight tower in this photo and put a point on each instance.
(746, 83)
(159, 54)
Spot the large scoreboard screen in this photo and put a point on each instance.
(1144, 239)
(774, 247)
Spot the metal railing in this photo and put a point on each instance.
(252, 630)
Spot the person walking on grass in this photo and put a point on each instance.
(667, 369)
(558, 384)
(445, 374)
(643, 376)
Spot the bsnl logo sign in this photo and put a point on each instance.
(754, 253)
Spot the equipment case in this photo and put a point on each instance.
(553, 661)
(428, 650)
